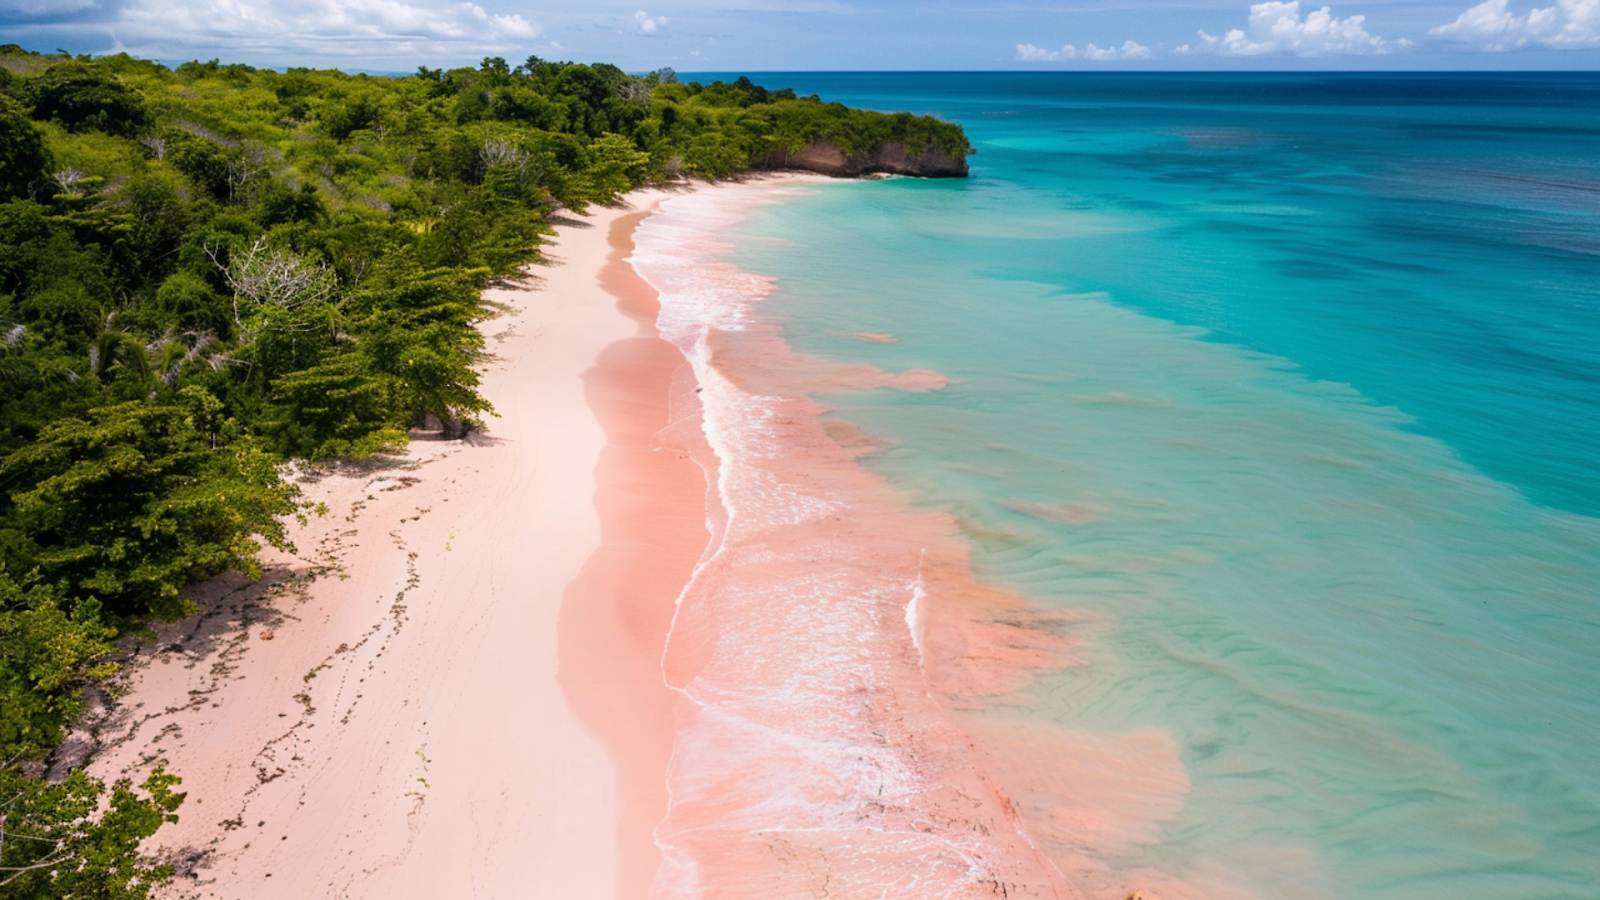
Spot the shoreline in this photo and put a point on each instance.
(615, 616)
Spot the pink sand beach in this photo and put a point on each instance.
(399, 723)
(654, 635)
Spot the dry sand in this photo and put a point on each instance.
(387, 721)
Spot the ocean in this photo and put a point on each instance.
(1274, 400)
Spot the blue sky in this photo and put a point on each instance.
(769, 35)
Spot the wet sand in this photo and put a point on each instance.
(616, 615)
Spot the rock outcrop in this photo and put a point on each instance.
(889, 157)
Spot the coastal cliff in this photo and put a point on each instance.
(891, 157)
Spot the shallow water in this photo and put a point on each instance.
(1280, 391)
(811, 758)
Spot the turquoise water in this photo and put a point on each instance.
(1291, 383)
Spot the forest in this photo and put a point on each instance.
(210, 271)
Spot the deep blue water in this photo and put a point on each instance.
(1293, 383)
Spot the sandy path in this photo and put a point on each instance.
(394, 728)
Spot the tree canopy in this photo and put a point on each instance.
(22, 156)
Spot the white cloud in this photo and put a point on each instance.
(648, 25)
(1568, 24)
(1128, 50)
(29, 9)
(317, 29)
(1277, 28)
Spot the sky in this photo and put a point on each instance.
(800, 35)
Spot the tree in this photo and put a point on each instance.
(26, 237)
(415, 329)
(518, 103)
(615, 166)
(132, 504)
(69, 841)
(81, 99)
(204, 162)
(186, 300)
(279, 204)
(273, 282)
(23, 160)
(46, 655)
(154, 200)
(358, 112)
(334, 409)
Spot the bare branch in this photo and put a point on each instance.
(55, 858)
(172, 351)
(245, 165)
(49, 862)
(69, 179)
(635, 90)
(502, 151)
(274, 278)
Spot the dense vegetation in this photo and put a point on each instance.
(209, 270)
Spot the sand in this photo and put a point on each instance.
(387, 720)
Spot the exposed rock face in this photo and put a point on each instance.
(888, 157)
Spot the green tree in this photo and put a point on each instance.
(132, 504)
(204, 162)
(615, 166)
(23, 160)
(160, 219)
(69, 841)
(82, 98)
(189, 301)
(334, 409)
(46, 655)
(26, 238)
(419, 336)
